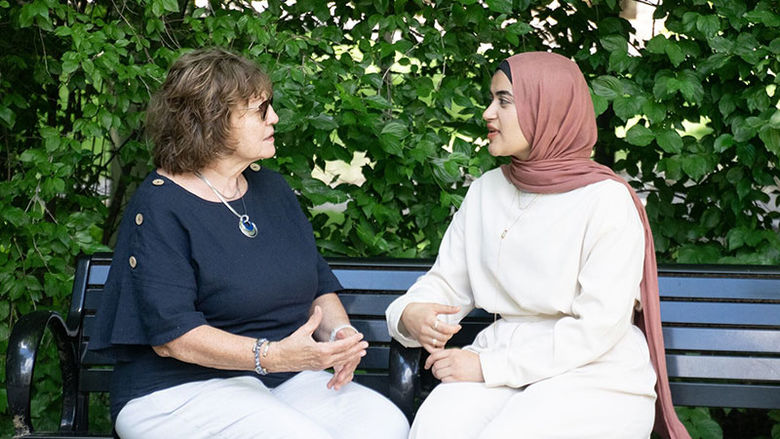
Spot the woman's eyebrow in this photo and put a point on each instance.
(504, 93)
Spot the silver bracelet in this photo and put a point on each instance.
(256, 349)
(339, 328)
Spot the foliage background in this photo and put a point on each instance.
(403, 82)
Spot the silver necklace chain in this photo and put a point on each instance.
(245, 225)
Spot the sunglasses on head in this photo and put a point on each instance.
(262, 107)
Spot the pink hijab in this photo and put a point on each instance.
(557, 118)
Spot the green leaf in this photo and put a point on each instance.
(714, 62)
(674, 52)
(670, 141)
(721, 44)
(774, 121)
(599, 104)
(614, 43)
(323, 122)
(727, 105)
(607, 87)
(742, 130)
(15, 216)
(723, 142)
(502, 6)
(7, 116)
(627, 107)
(695, 166)
(639, 135)
(391, 136)
(763, 16)
(395, 129)
(690, 86)
(661, 84)
(709, 25)
(32, 10)
(657, 44)
(771, 138)
(170, 5)
(743, 188)
(620, 61)
(654, 111)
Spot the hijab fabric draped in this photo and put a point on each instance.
(556, 116)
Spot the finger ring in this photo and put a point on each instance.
(436, 325)
(435, 342)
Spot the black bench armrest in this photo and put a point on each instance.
(404, 377)
(23, 347)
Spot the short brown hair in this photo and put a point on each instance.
(188, 119)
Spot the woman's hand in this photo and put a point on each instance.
(455, 365)
(422, 322)
(343, 373)
(300, 351)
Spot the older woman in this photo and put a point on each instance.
(219, 310)
(558, 247)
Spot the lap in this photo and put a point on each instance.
(560, 407)
(244, 407)
(351, 411)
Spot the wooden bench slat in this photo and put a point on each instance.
(98, 273)
(721, 313)
(725, 395)
(720, 339)
(719, 367)
(365, 303)
(719, 288)
(377, 280)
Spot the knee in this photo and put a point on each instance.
(393, 424)
(436, 421)
(302, 428)
(379, 418)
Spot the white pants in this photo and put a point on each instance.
(242, 407)
(559, 407)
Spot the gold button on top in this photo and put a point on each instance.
(139, 219)
(158, 182)
(255, 167)
(133, 262)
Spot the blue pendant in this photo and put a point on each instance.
(248, 228)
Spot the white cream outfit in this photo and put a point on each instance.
(562, 271)
(300, 408)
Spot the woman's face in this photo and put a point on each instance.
(253, 134)
(506, 137)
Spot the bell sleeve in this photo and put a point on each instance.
(447, 282)
(156, 293)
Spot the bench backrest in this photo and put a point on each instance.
(721, 326)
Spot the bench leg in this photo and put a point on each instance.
(404, 377)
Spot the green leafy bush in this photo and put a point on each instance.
(402, 82)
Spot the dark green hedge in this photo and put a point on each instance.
(403, 82)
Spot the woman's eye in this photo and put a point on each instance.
(504, 102)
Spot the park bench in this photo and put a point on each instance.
(721, 329)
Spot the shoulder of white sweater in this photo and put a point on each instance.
(494, 179)
(607, 188)
(489, 180)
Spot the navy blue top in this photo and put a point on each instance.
(194, 267)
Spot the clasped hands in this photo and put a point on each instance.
(448, 365)
(300, 351)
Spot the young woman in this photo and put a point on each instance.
(559, 249)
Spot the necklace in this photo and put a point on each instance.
(247, 227)
(523, 210)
